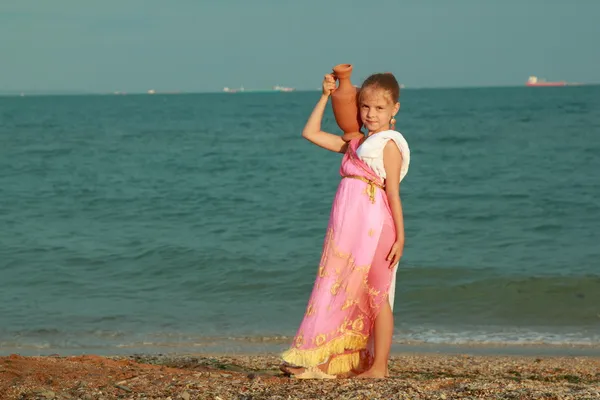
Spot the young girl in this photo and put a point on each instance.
(348, 324)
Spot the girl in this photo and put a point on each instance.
(348, 324)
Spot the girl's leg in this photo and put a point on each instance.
(383, 328)
(382, 332)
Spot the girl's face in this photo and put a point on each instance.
(376, 109)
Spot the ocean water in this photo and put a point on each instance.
(172, 222)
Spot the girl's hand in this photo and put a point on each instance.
(395, 254)
(328, 84)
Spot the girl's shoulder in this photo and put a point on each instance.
(392, 134)
(382, 138)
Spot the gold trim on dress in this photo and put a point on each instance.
(348, 303)
(319, 340)
(344, 363)
(335, 288)
(299, 342)
(371, 185)
(334, 349)
(330, 246)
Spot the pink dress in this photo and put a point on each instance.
(354, 277)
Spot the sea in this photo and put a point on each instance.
(195, 222)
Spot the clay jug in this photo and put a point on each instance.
(344, 102)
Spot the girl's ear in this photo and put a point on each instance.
(396, 107)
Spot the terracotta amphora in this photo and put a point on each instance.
(344, 102)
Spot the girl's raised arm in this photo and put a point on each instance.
(312, 130)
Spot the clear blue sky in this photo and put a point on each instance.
(200, 45)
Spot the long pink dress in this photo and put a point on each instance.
(353, 278)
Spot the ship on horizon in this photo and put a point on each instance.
(233, 90)
(534, 81)
(276, 88)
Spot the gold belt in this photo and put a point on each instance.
(371, 185)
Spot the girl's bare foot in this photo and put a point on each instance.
(374, 373)
(296, 371)
(290, 369)
(314, 373)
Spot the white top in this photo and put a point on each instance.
(371, 151)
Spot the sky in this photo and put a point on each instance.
(203, 46)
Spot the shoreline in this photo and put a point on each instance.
(255, 377)
(249, 347)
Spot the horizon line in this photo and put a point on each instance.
(153, 92)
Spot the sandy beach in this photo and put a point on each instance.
(244, 377)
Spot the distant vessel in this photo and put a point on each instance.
(278, 88)
(534, 81)
(230, 90)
